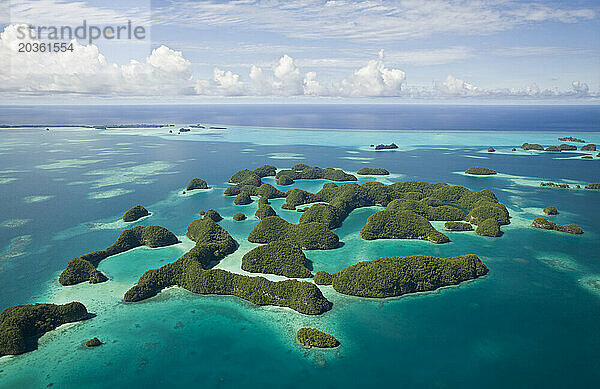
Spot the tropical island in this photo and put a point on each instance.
(491, 149)
(396, 276)
(551, 210)
(369, 171)
(305, 172)
(94, 342)
(566, 147)
(279, 258)
(83, 268)
(548, 225)
(532, 146)
(458, 226)
(238, 217)
(391, 146)
(312, 337)
(570, 139)
(588, 147)
(197, 183)
(135, 213)
(489, 227)
(480, 171)
(22, 325)
(594, 185)
(211, 214)
(193, 272)
(395, 224)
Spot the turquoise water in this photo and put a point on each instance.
(532, 322)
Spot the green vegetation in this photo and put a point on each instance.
(368, 171)
(551, 210)
(211, 214)
(484, 210)
(238, 217)
(311, 337)
(491, 149)
(553, 185)
(566, 147)
(532, 146)
(589, 147)
(22, 325)
(323, 278)
(395, 276)
(548, 225)
(595, 185)
(280, 258)
(308, 236)
(587, 157)
(392, 224)
(242, 199)
(489, 227)
(197, 183)
(135, 213)
(191, 272)
(95, 342)
(305, 172)
(458, 226)
(83, 268)
(480, 171)
(391, 146)
(264, 210)
(285, 180)
(433, 201)
(553, 149)
(571, 139)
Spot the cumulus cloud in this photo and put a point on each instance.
(286, 81)
(453, 86)
(374, 79)
(85, 70)
(224, 83)
(167, 72)
(580, 88)
(456, 87)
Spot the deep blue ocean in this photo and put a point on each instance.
(533, 322)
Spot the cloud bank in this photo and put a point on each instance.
(167, 72)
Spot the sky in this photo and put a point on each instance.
(471, 51)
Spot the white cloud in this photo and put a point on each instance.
(85, 70)
(456, 87)
(453, 86)
(369, 20)
(580, 88)
(225, 83)
(167, 72)
(312, 87)
(286, 80)
(374, 79)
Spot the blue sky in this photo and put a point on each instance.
(435, 50)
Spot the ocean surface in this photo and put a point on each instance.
(532, 322)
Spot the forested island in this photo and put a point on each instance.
(193, 272)
(135, 213)
(22, 325)
(312, 337)
(279, 258)
(197, 183)
(410, 206)
(548, 225)
(396, 276)
(369, 171)
(391, 146)
(551, 210)
(458, 226)
(480, 171)
(83, 268)
(570, 139)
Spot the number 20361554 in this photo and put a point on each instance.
(43, 47)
